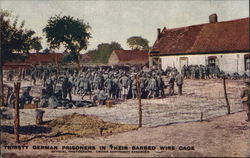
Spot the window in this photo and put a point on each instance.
(247, 62)
(212, 60)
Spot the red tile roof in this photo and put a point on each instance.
(42, 58)
(132, 56)
(227, 36)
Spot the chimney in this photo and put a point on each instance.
(159, 33)
(213, 18)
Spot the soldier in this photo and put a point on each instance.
(245, 96)
(184, 71)
(152, 87)
(11, 98)
(192, 69)
(26, 97)
(134, 88)
(142, 84)
(53, 102)
(197, 72)
(10, 75)
(49, 88)
(161, 86)
(116, 87)
(202, 72)
(45, 76)
(33, 77)
(207, 72)
(85, 85)
(125, 83)
(102, 97)
(66, 87)
(108, 84)
(179, 82)
(171, 85)
(216, 71)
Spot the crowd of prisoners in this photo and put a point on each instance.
(102, 83)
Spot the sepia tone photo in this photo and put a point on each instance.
(130, 78)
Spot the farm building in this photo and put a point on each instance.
(225, 44)
(42, 59)
(132, 57)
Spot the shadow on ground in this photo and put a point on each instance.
(26, 130)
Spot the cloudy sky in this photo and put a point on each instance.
(118, 20)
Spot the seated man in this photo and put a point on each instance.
(102, 97)
(53, 102)
(26, 97)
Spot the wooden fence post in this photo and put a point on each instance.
(139, 100)
(225, 93)
(16, 117)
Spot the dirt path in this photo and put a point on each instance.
(222, 136)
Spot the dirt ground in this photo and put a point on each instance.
(171, 121)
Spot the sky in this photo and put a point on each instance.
(118, 20)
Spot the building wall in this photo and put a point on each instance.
(229, 63)
(113, 59)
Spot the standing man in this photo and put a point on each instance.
(245, 97)
(67, 87)
(171, 84)
(125, 83)
(179, 82)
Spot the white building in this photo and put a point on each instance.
(225, 44)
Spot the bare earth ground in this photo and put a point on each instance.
(171, 121)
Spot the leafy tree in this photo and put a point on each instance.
(36, 44)
(103, 52)
(14, 38)
(72, 34)
(137, 42)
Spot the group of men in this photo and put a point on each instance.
(106, 83)
(206, 72)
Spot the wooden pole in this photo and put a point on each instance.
(139, 100)
(16, 117)
(225, 93)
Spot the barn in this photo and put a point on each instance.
(225, 44)
(128, 57)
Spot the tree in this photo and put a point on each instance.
(36, 44)
(72, 34)
(137, 42)
(103, 52)
(14, 40)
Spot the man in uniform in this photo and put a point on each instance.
(171, 84)
(67, 87)
(245, 96)
(26, 97)
(161, 86)
(125, 83)
(152, 87)
(134, 87)
(109, 86)
(179, 82)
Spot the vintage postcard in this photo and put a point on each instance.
(107, 78)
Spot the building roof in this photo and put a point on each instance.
(42, 58)
(219, 37)
(131, 56)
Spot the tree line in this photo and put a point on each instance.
(66, 32)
